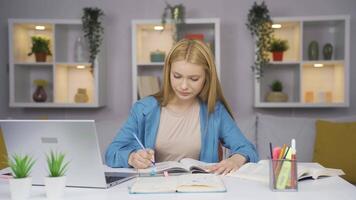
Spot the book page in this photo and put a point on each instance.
(155, 184)
(200, 183)
(314, 170)
(195, 165)
(253, 171)
(170, 166)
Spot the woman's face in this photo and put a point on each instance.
(187, 79)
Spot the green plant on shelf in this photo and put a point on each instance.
(40, 82)
(21, 165)
(56, 165)
(278, 45)
(277, 86)
(40, 45)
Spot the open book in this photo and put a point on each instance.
(181, 183)
(260, 171)
(186, 165)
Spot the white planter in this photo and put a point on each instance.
(55, 187)
(20, 188)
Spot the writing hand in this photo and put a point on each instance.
(141, 159)
(228, 165)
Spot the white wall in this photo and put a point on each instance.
(236, 50)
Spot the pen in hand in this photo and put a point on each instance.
(141, 145)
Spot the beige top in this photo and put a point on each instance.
(178, 135)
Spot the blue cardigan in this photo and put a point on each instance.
(144, 120)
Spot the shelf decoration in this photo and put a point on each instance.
(259, 23)
(276, 95)
(277, 47)
(40, 94)
(313, 50)
(40, 47)
(177, 15)
(81, 96)
(327, 51)
(93, 30)
(157, 56)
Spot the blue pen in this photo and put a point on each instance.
(139, 142)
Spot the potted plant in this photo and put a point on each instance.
(93, 30)
(277, 47)
(176, 15)
(40, 47)
(20, 184)
(260, 25)
(55, 181)
(276, 94)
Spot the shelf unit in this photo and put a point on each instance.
(146, 40)
(305, 84)
(61, 70)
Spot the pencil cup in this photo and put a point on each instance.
(283, 175)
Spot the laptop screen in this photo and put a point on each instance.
(76, 138)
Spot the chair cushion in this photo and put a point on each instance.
(335, 146)
(280, 130)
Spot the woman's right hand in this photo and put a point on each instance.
(141, 159)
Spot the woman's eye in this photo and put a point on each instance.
(194, 79)
(176, 76)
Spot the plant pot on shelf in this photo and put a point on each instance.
(277, 55)
(20, 188)
(41, 57)
(276, 97)
(55, 187)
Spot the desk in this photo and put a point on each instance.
(237, 189)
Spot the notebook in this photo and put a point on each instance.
(185, 165)
(76, 138)
(187, 183)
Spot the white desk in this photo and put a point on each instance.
(237, 189)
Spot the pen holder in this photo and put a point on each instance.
(283, 175)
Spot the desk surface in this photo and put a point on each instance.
(325, 188)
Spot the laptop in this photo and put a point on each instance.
(76, 138)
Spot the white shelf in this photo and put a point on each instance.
(145, 40)
(306, 85)
(60, 70)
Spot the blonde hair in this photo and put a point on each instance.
(195, 52)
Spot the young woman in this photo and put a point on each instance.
(189, 117)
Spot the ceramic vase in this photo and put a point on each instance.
(313, 50)
(41, 57)
(327, 51)
(20, 188)
(55, 187)
(81, 96)
(277, 55)
(276, 97)
(40, 94)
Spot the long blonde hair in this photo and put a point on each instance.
(195, 52)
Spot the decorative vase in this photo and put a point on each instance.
(313, 50)
(276, 97)
(20, 188)
(81, 96)
(41, 57)
(79, 50)
(40, 94)
(55, 187)
(277, 55)
(327, 51)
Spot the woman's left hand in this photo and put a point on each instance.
(228, 165)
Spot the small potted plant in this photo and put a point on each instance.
(40, 47)
(20, 184)
(176, 13)
(277, 47)
(55, 181)
(276, 94)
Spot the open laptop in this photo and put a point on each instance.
(76, 138)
